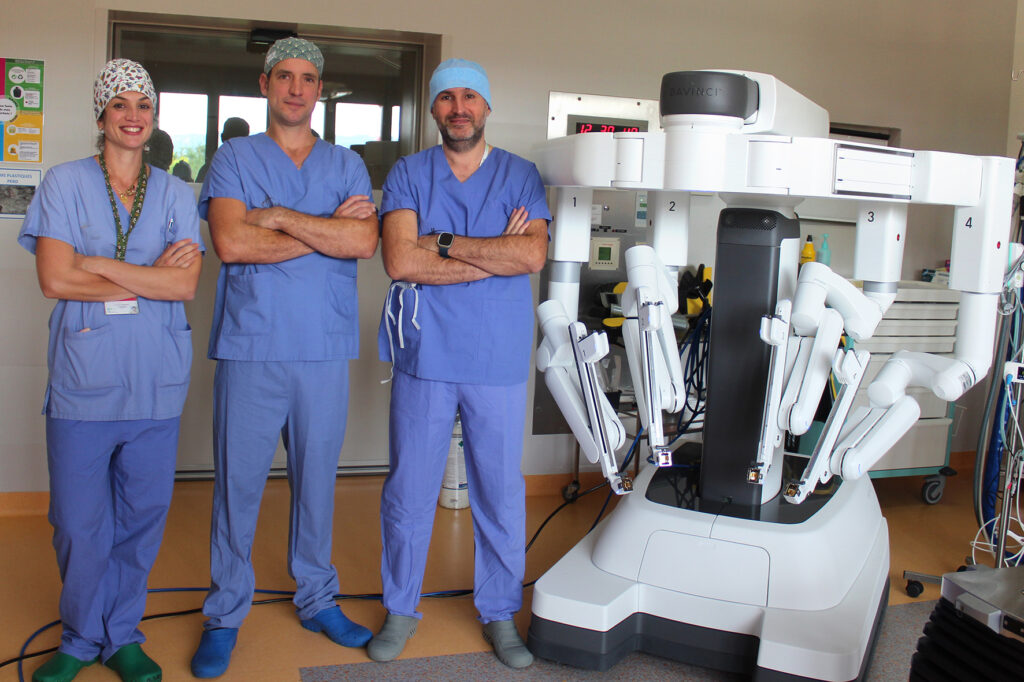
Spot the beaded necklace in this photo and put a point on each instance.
(121, 247)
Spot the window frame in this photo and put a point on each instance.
(416, 126)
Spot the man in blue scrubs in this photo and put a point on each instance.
(289, 215)
(464, 226)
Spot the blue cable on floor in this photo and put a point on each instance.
(290, 593)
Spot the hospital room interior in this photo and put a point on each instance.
(835, 245)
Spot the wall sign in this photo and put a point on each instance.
(21, 110)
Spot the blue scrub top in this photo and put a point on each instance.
(474, 332)
(126, 366)
(301, 309)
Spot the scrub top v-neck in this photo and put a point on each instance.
(302, 309)
(472, 332)
(114, 367)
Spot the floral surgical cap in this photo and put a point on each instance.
(120, 75)
(294, 48)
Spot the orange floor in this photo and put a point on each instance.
(272, 646)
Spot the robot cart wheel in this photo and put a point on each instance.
(932, 489)
(914, 588)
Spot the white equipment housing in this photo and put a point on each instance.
(742, 572)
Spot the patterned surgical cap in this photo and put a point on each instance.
(120, 75)
(294, 48)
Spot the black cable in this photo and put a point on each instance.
(24, 657)
(443, 594)
(545, 522)
(186, 612)
(558, 509)
(695, 369)
(608, 498)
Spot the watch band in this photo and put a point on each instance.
(444, 242)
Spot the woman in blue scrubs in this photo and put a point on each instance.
(117, 245)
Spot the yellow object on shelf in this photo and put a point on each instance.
(694, 306)
(807, 253)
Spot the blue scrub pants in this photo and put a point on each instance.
(422, 416)
(306, 404)
(110, 488)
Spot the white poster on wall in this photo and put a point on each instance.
(17, 187)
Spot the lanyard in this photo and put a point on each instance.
(121, 247)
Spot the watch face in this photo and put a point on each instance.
(445, 239)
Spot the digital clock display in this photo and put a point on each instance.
(589, 127)
(591, 123)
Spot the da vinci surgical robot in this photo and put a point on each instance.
(729, 563)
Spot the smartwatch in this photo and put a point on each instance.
(444, 242)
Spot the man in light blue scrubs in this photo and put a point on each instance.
(464, 226)
(289, 215)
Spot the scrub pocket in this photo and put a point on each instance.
(87, 361)
(508, 357)
(342, 304)
(176, 359)
(450, 327)
(247, 305)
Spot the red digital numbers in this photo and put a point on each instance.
(605, 128)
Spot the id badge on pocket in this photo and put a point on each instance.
(128, 306)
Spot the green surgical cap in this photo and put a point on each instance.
(294, 48)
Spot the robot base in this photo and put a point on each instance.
(778, 599)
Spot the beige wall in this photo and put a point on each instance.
(936, 70)
(1016, 114)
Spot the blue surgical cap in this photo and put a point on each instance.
(459, 73)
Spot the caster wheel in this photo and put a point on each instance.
(931, 491)
(914, 588)
(571, 491)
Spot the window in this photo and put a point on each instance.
(357, 124)
(206, 71)
(252, 110)
(183, 117)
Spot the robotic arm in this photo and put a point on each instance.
(758, 143)
(567, 356)
(851, 445)
(568, 353)
(648, 303)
